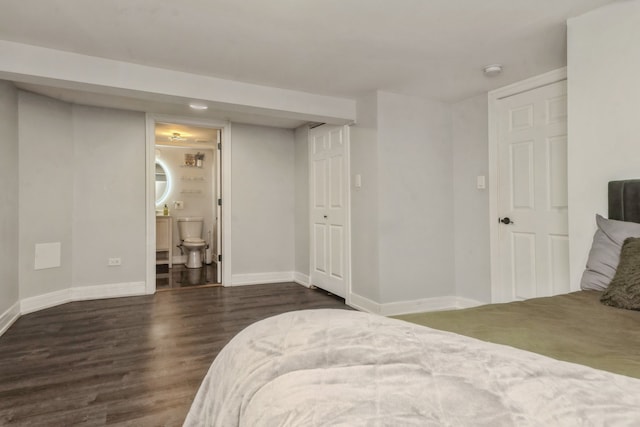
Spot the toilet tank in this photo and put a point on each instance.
(190, 227)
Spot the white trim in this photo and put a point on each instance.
(151, 120)
(534, 82)
(40, 302)
(301, 279)
(112, 290)
(262, 278)
(363, 304)
(150, 204)
(9, 316)
(415, 306)
(84, 293)
(227, 200)
(493, 98)
(427, 304)
(347, 190)
(347, 135)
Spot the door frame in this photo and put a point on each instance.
(151, 119)
(347, 192)
(494, 98)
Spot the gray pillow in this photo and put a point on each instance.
(624, 289)
(605, 252)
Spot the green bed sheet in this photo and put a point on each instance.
(573, 327)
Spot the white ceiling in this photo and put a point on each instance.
(345, 48)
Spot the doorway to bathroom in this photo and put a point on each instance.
(187, 198)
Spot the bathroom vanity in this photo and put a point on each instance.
(164, 240)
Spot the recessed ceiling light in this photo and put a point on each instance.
(198, 106)
(492, 70)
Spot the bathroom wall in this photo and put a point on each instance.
(262, 189)
(301, 183)
(46, 165)
(9, 287)
(191, 185)
(108, 195)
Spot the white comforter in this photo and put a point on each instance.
(338, 367)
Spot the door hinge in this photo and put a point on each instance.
(219, 145)
(219, 258)
(219, 202)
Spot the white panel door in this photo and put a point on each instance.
(328, 187)
(532, 193)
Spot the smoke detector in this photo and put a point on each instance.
(492, 70)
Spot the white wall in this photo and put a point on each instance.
(108, 195)
(186, 182)
(262, 190)
(415, 198)
(470, 205)
(301, 184)
(603, 107)
(364, 200)
(9, 287)
(82, 184)
(46, 165)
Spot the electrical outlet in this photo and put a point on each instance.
(114, 261)
(178, 204)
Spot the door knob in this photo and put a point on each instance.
(325, 217)
(506, 220)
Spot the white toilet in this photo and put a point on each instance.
(190, 231)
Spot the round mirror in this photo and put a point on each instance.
(163, 183)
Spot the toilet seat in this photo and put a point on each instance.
(193, 242)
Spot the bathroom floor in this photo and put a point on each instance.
(180, 277)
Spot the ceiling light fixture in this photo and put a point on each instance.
(198, 106)
(492, 70)
(176, 137)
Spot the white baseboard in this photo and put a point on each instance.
(112, 290)
(415, 306)
(9, 316)
(40, 302)
(364, 304)
(301, 279)
(260, 278)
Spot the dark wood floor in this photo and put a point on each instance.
(129, 361)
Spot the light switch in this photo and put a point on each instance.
(357, 181)
(481, 182)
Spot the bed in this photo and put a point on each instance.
(547, 363)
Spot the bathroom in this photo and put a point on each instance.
(186, 184)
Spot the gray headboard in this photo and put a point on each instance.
(624, 200)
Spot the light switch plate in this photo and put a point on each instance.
(481, 183)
